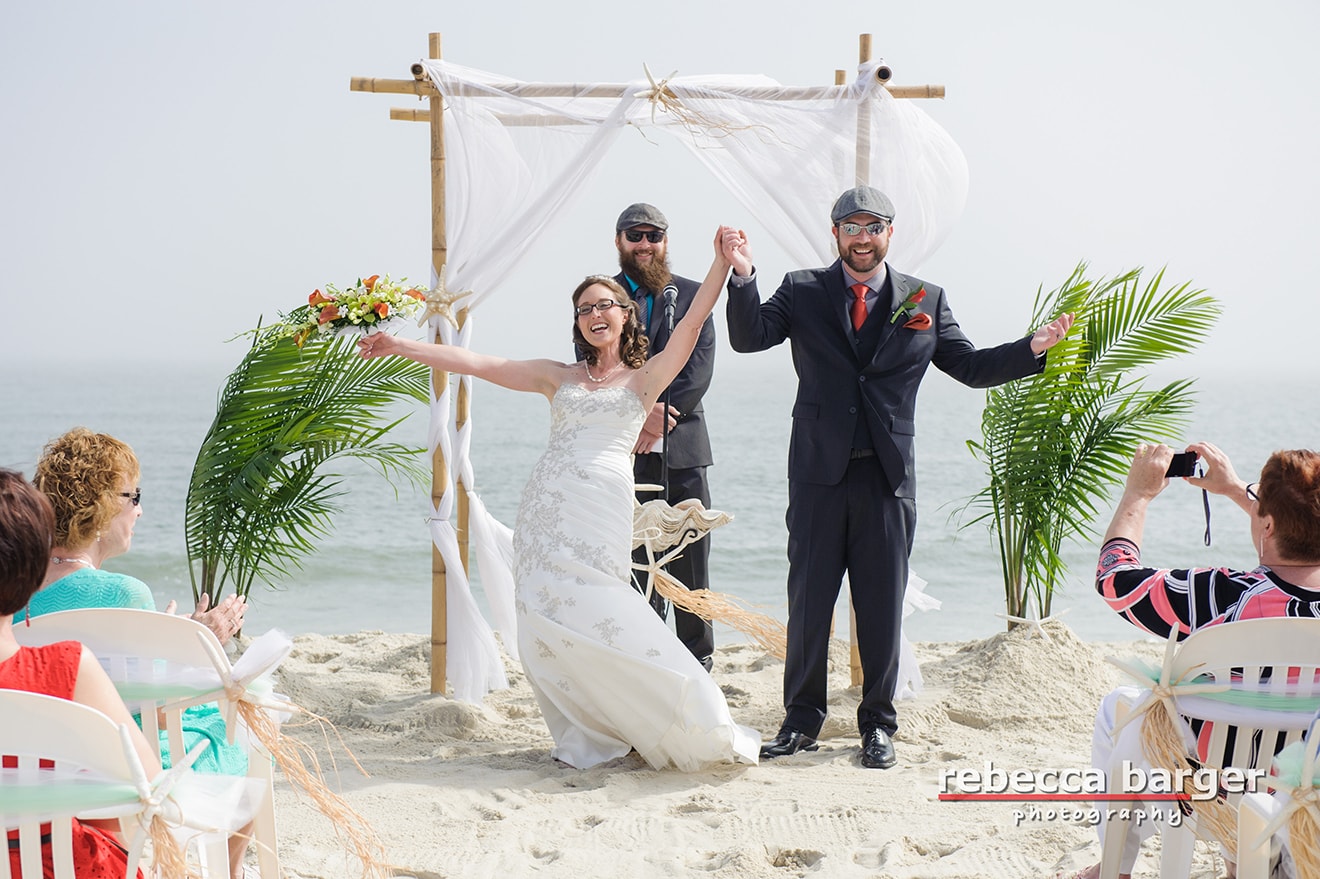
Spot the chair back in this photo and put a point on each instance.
(1278, 659)
(94, 775)
(150, 656)
(136, 647)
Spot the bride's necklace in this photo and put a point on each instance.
(72, 560)
(613, 370)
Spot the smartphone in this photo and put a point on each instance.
(1183, 464)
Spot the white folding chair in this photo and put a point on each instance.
(151, 656)
(95, 775)
(1259, 813)
(1278, 658)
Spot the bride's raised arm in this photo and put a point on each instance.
(540, 376)
(656, 374)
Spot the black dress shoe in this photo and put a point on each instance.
(707, 662)
(877, 749)
(787, 741)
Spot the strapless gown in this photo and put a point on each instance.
(609, 676)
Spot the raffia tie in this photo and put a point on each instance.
(657, 525)
(1162, 737)
(1301, 814)
(440, 301)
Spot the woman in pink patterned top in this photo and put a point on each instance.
(1284, 509)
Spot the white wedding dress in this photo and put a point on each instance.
(610, 677)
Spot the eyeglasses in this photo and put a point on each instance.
(871, 228)
(1251, 492)
(602, 306)
(634, 235)
(134, 497)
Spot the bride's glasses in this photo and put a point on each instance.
(601, 306)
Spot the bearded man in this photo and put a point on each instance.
(862, 336)
(641, 236)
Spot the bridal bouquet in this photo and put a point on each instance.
(365, 307)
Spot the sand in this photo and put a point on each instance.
(458, 790)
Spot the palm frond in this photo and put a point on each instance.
(1055, 444)
(261, 496)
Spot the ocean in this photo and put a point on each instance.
(373, 568)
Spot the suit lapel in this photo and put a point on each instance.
(898, 285)
(836, 291)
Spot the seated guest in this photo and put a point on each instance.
(66, 670)
(91, 482)
(1283, 509)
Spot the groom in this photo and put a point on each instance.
(641, 236)
(862, 336)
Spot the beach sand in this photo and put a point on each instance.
(459, 790)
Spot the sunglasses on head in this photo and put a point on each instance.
(134, 497)
(634, 235)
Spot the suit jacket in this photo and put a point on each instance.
(837, 385)
(688, 444)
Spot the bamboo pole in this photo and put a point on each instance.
(863, 175)
(440, 383)
(616, 90)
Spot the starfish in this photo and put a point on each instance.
(1037, 624)
(440, 301)
(659, 93)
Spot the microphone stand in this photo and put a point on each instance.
(669, 293)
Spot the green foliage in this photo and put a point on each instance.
(1055, 444)
(261, 496)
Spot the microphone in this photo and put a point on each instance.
(670, 292)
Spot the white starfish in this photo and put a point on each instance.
(1036, 623)
(440, 301)
(659, 93)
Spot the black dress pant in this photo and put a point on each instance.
(858, 526)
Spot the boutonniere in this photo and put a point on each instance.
(909, 305)
(918, 321)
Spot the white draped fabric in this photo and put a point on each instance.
(517, 153)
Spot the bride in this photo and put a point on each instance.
(608, 674)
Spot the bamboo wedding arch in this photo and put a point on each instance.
(675, 101)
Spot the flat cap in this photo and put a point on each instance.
(641, 214)
(862, 200)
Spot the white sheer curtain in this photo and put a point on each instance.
(517, 153)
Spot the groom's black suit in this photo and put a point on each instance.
(687, 447)
(852, 484)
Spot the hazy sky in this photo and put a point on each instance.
(173, 171)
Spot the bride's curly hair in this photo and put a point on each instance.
(633, 344)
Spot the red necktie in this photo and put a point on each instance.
(859, 292)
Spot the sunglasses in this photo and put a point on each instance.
(634, 235)
(601, 306)
(134, 498)
(871, 228)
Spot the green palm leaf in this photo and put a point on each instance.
(262, 494)
(1054, 444)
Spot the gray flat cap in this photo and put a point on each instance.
(641, 214)
(862, 200)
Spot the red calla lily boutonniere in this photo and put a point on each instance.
(907, 307)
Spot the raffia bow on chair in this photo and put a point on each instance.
(659, 526)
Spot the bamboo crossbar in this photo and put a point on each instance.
(570, 90)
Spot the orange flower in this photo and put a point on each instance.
(415, 294)
(300, 337)
(319, 298)
(382, 309)
(918, 321)
(370, 283)
(329, 313)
